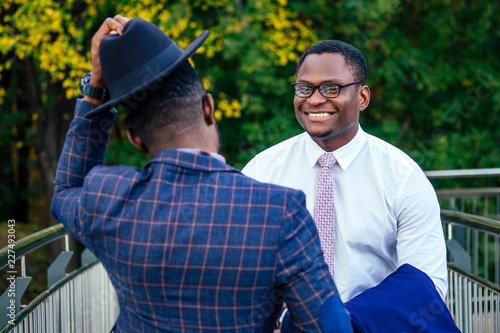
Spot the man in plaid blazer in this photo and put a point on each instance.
(189, 243)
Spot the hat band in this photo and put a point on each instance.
(146, 73)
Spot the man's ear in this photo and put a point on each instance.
(208, 110)
(364, 98)
(136, 141)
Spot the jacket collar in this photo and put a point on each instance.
(192, 159)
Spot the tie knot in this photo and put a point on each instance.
(327, 160)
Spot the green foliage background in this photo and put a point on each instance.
(433, 71)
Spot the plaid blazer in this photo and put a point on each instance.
(189, 243)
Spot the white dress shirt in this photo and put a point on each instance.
(386, 210)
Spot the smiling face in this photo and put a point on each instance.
(331, 122)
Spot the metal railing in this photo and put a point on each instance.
(483, 201)
(85, 301)
(473, 271)
(472, 231)
(475, 306)
(81, 301)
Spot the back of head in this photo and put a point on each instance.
(172, 104)
(353, 58)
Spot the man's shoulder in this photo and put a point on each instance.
(388, 151)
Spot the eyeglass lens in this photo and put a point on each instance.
(307, 89)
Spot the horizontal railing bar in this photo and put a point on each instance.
(472, 221)
(45, 294)
(32, 242)
(467, 192)
(477, 279)
(463, 173)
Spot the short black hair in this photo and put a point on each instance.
(174, 102)
(353, 57)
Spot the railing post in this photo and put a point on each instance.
(10, 301)
(87, 256)
(461, 258)
(57, 270)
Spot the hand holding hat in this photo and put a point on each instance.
(132, 57)
(108, 27)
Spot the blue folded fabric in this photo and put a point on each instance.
(406, 301)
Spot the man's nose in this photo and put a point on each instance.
(316, 98)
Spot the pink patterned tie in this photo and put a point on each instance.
(323, 211)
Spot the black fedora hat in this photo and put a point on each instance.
(136, 61)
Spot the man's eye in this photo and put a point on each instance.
(330, 88)
(305, 88)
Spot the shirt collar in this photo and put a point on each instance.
(344, 155)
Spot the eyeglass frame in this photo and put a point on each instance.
(319, 85)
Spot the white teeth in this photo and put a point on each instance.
(319, 115)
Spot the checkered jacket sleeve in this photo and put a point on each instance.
(84, 148)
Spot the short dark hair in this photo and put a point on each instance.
(353, 58)
(176, 102)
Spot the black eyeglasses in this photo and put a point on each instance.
(328, 90)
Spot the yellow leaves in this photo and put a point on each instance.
(6, 5)
(72, 93)
(92, 11)
(218, 115)
(288, 36)
(45, 30)
(278, 19)
(73, 32)
(210, 4)
(144, 9)
(2, 94)
(7, 43)
(227, 109)
(163, 15)
(56, 22)
(206, 84)
(209, 52)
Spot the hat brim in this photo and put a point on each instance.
(147, 85)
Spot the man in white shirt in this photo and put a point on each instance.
(386, 212)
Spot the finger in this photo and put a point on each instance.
(107, 27)
(121, 19)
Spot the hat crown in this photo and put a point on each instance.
(140, 42)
